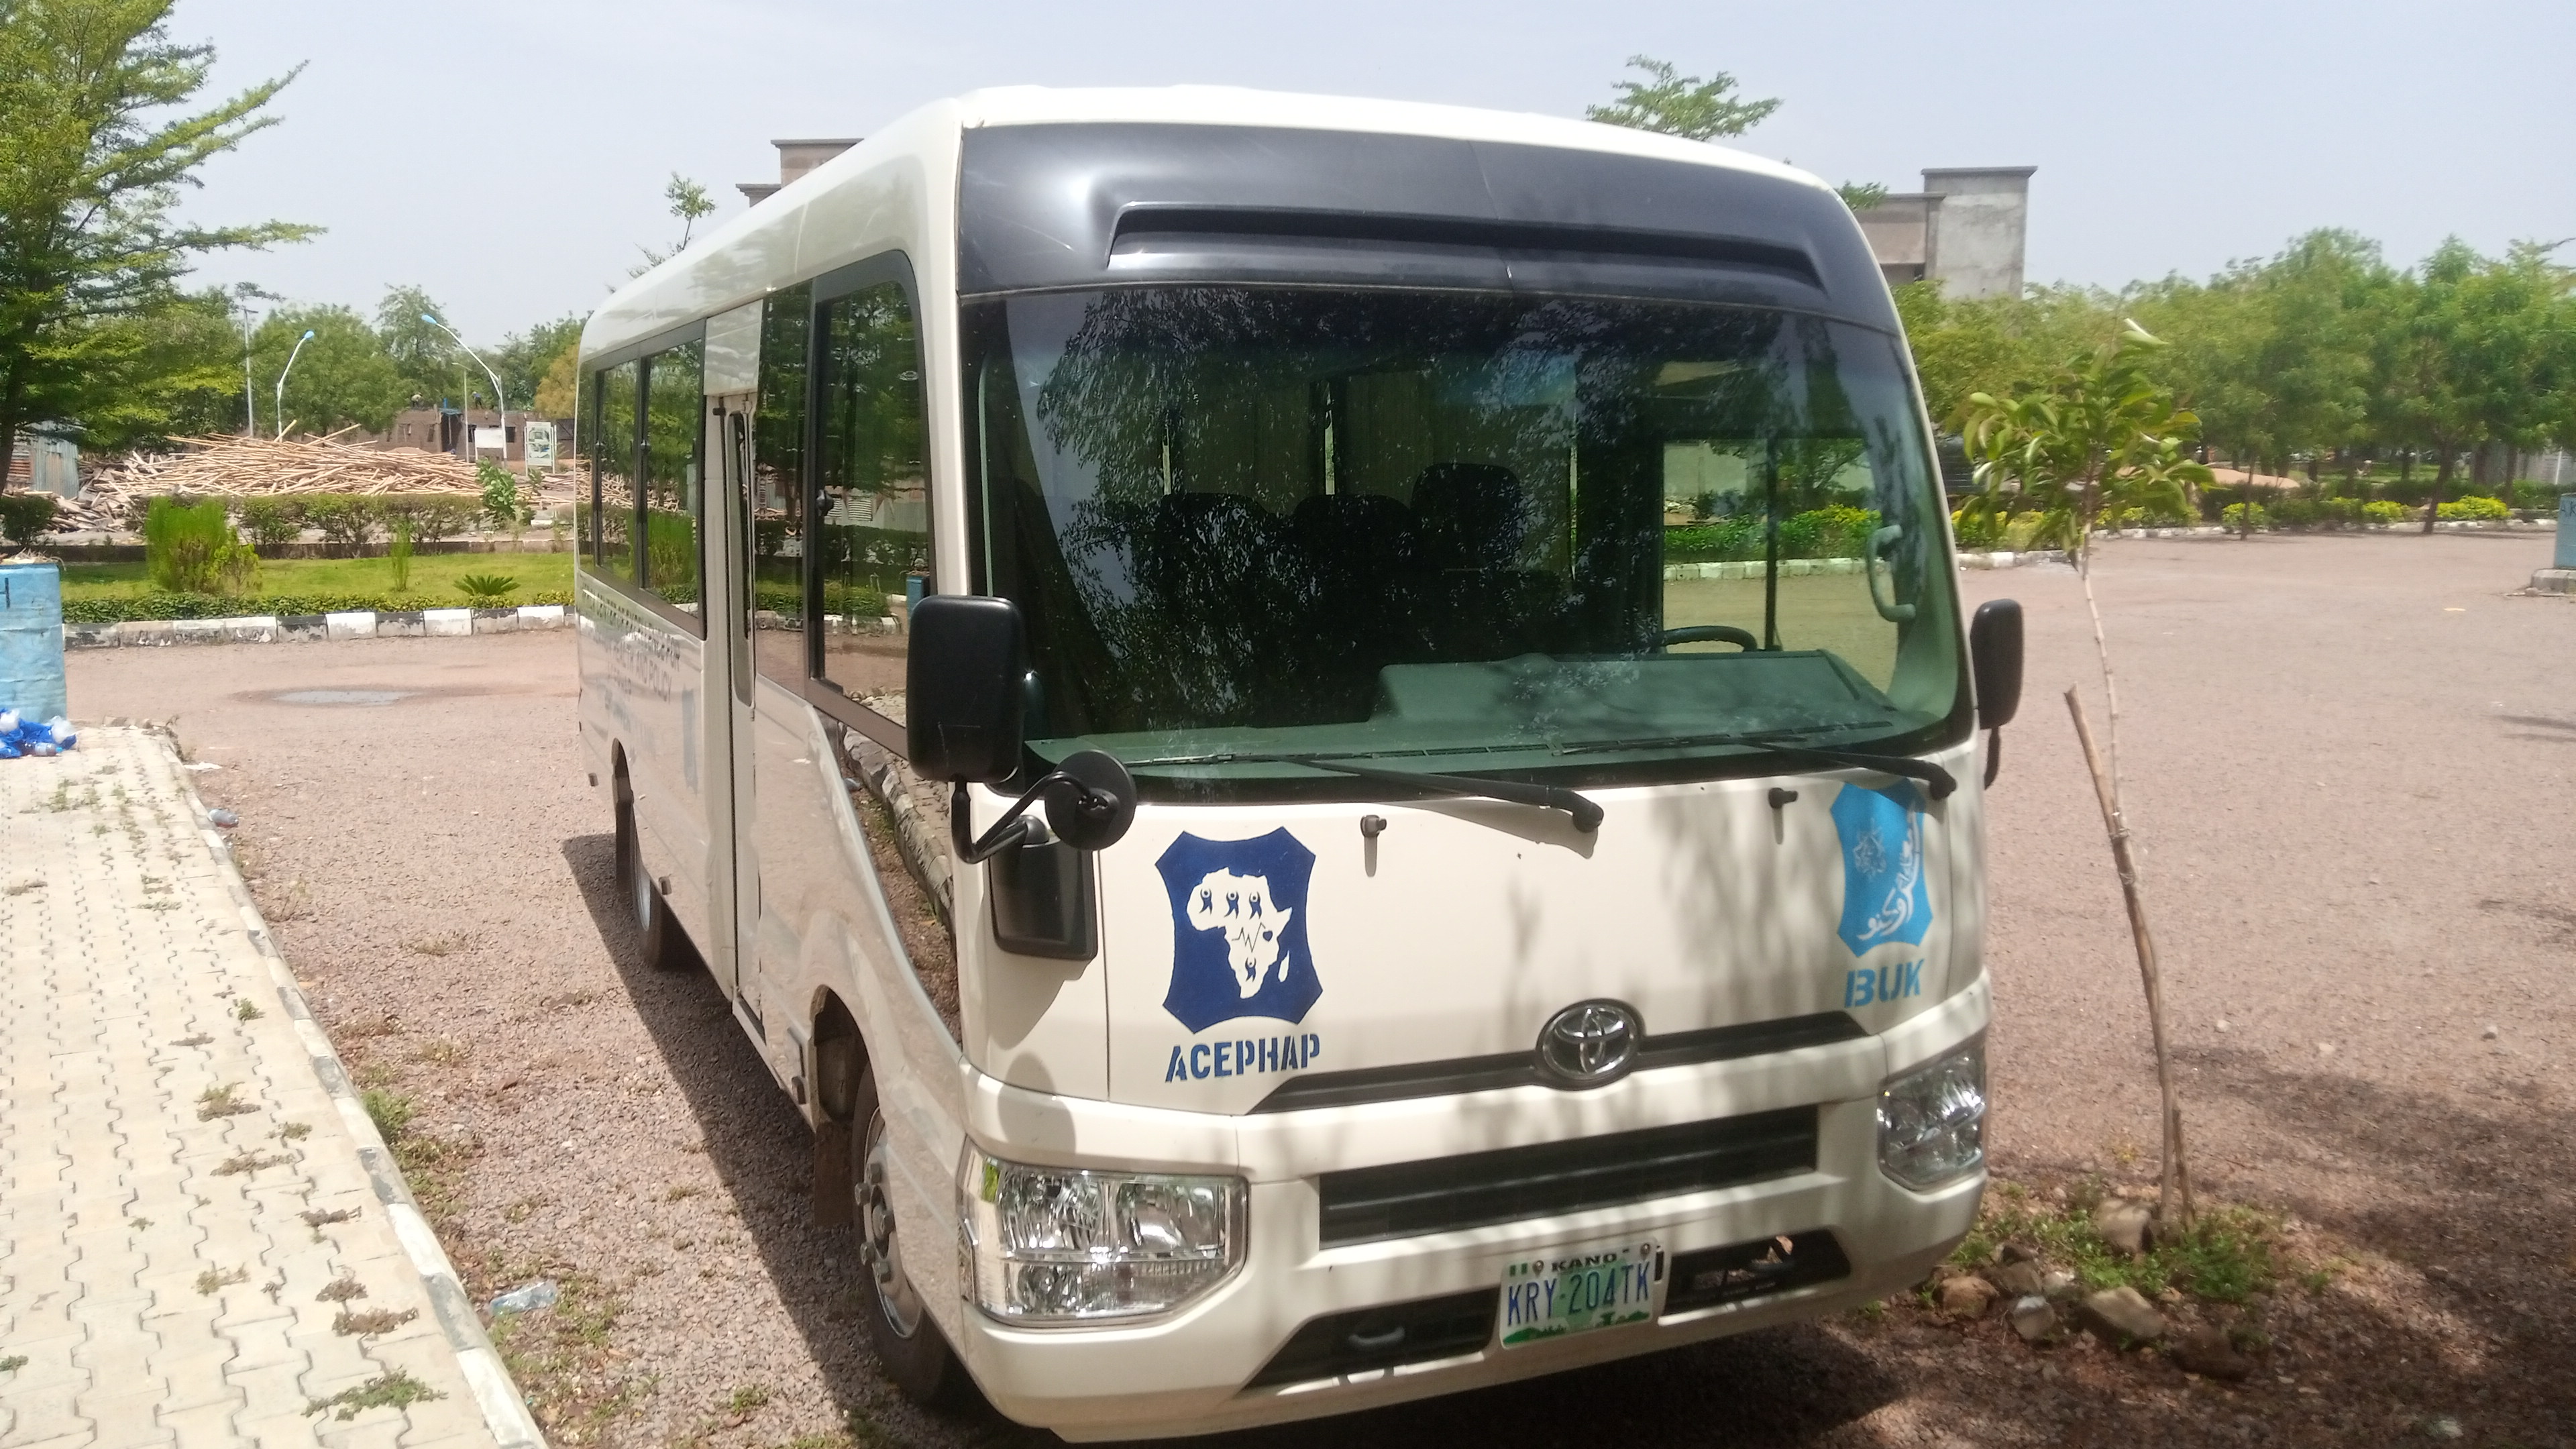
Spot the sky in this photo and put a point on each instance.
(511, 157)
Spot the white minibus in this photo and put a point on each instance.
(1330, 743)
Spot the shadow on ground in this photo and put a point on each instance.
(1776, 1387)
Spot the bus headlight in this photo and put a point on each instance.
(1053, 1245)
(1931, 1121)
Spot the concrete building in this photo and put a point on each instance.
(442, 429)
(795, 158)
(1965, 229)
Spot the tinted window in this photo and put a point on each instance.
(872, 529)
(674, 504)
(612, 460)
(778, 485)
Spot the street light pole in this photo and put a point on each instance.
(281, 379)
(500, 398)
(250, 390)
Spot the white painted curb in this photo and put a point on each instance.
(272, 629)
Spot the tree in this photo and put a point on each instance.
(524, 359)
(424, 356)
(342, 378)
(2100, 436)
(1671, 104)
(689, 203)
(1964, 346)
(1680, 105)
(98, 144)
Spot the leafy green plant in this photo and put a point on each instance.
(192, 549)
(1977, 530)
(433, 515)
(398, 554)
(2381, 513)
(2474, 509)
(487, 590)
(25, 515)
(219, 606)
(2233, 515)
(389, 1110)
(271, 521)
(502, 506)
(347, 519)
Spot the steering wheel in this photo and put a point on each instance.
(1710, 634)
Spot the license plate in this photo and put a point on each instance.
(1578, 1292)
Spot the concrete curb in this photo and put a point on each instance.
(504, 1408)
(276, 629)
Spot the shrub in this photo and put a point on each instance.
(1978, 528)
(2295, 513)
(192, 549)
(2383, 513)
(487, 590)
(25, 515)
(271, 521)
(224, 606)
(502, 507)
(433, 515)
(2234, 515)
(138, 511)
(347, 519)
(2473, 509)
(2146, 518)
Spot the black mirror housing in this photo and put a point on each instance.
(1994, 659)
(962, 688)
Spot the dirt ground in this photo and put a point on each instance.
(2349, 763)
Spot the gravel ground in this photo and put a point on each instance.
(2348, 762)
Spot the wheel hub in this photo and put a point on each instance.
(879, 1247)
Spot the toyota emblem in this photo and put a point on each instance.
(1589, 1044)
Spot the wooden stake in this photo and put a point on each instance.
(2174, 1195)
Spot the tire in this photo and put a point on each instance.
(655, 934)
(906, 1339)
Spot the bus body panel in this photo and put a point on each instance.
(643, 688)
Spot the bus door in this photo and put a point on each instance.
(733, 341)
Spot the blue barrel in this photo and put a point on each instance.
(2567, 530)
(31, 640)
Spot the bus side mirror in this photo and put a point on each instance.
(1994, 657)
(962, 689)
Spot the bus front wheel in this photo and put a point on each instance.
(907, 1342)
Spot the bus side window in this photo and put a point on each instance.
(674, 503)
(871, 532)
(611, 440)
(778, 487)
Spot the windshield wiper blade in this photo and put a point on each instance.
(1937, 782)
(1585, 812)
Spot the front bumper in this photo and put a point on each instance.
(1187, 1373)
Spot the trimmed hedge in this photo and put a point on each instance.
(236, 606)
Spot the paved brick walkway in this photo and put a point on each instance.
(203, 1241)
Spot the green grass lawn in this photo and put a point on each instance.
(431, 575)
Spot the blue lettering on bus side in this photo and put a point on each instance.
(1868, 986)
(1263, 1057)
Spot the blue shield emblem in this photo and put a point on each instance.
(1239, 929)
(1883, 894)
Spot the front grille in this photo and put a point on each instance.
(1367, 1204)
(1377, 1338)
(1750, 1270)
(1520, 1069)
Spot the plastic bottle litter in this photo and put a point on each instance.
(222, 818)
(540, 1294)
(21, 736)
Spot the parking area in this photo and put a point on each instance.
(2349, 762)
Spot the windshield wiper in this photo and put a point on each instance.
(1586, 814)
(1938, 783)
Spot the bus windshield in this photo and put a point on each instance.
(1475, 533)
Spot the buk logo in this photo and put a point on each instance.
(1884, 898)
(1239, 929)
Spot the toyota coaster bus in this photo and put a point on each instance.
(1330, 743)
